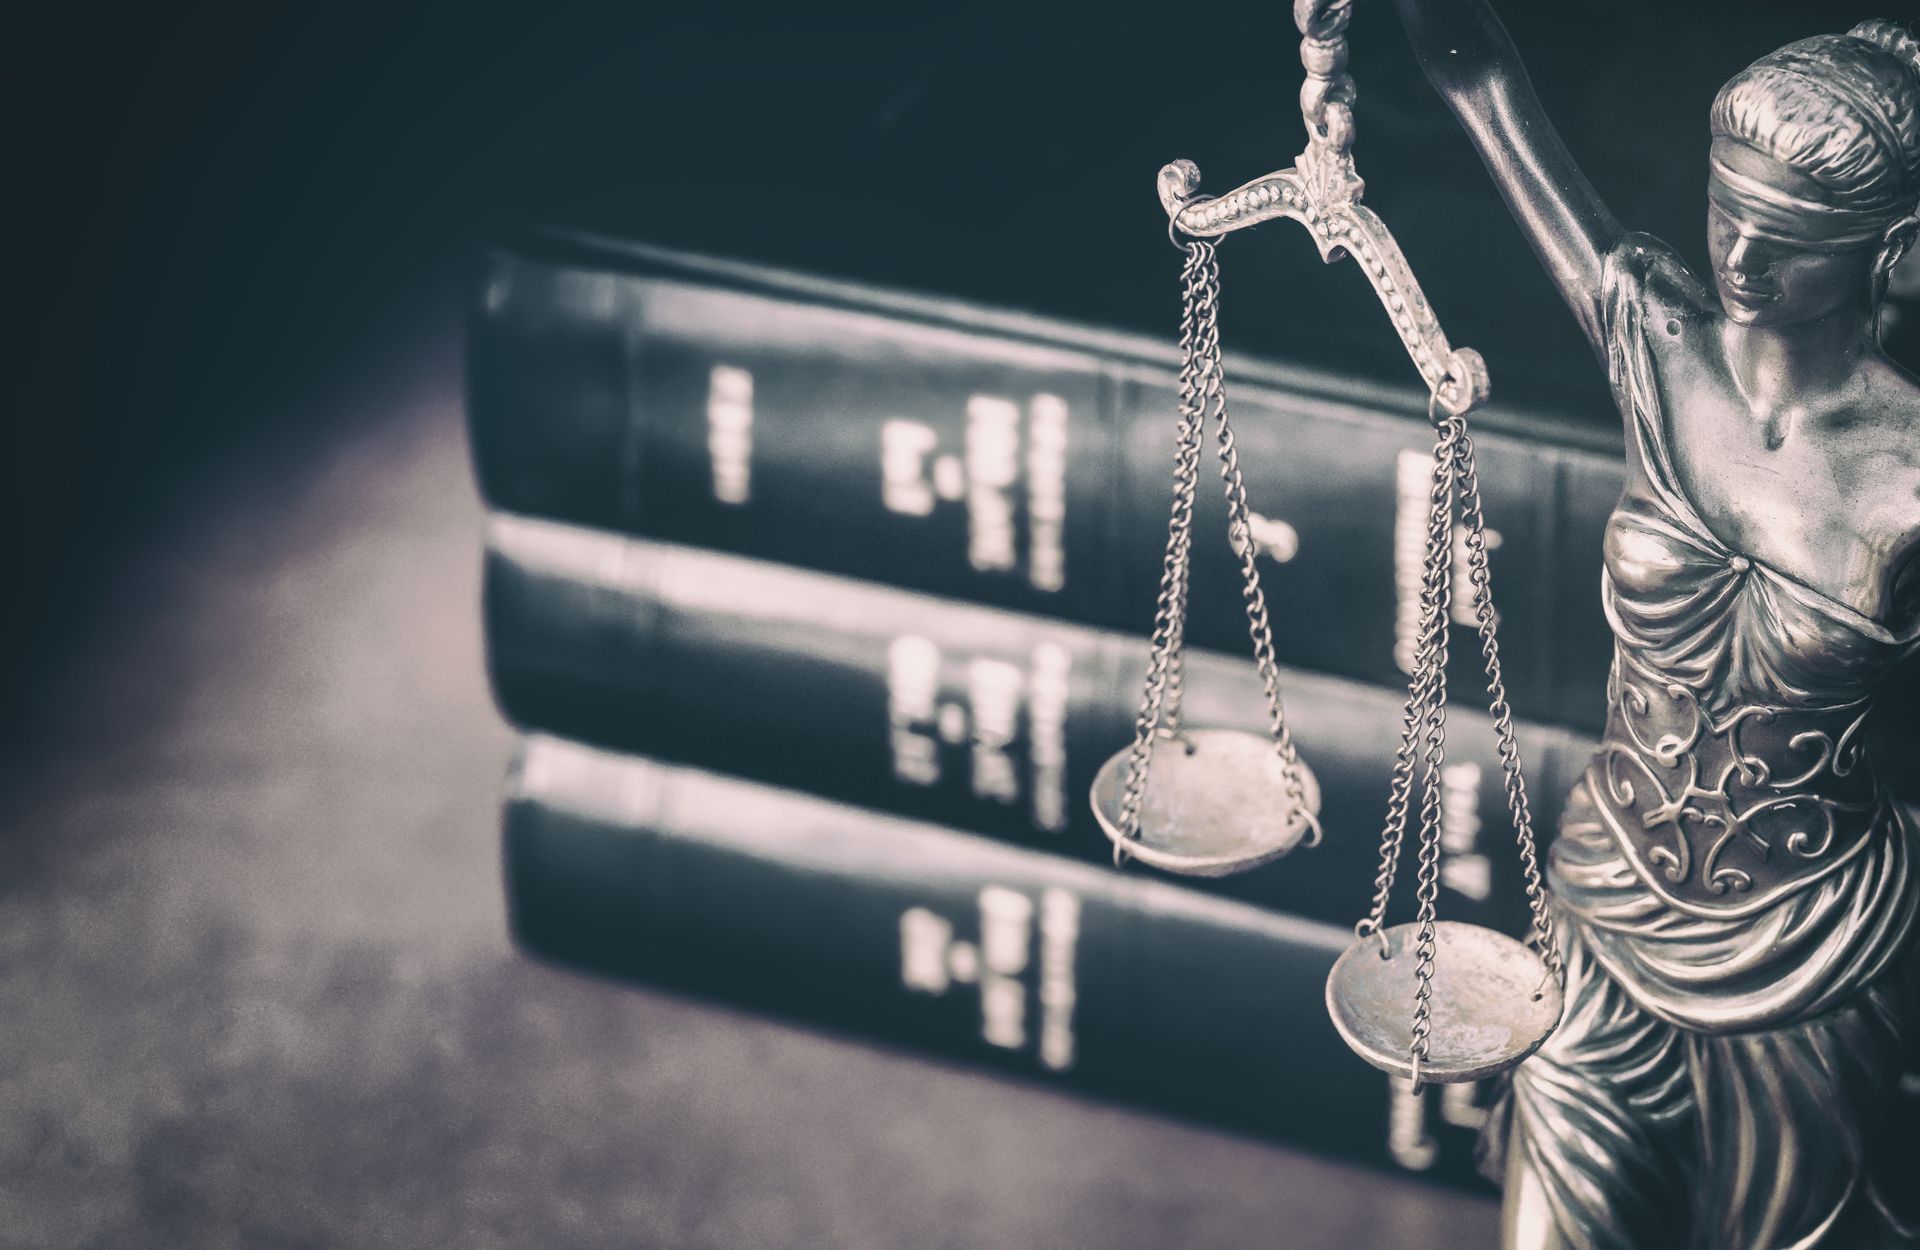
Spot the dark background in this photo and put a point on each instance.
(221, 201)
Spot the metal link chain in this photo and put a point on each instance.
(1474, 519)
(1455, 479)
(1164, 669)
(1420, 689)
(1203, 396)
(1240, 537)
(1198, 278)
(1437, 605)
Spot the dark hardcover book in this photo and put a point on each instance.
(977, 718)
(1006, 459)
(1117, 984)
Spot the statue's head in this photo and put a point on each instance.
(1815, 174)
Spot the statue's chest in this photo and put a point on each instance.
(1833, 513)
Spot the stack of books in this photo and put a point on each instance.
(821, 605)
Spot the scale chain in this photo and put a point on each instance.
(1437, 605)
(1200, 292)
(1476, 542)
(1164, 669)
(1240, 537)
(1203, 397)
(1420, 693)
(1455, 477)
(1399, 792)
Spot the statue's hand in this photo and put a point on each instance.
(1322, 20)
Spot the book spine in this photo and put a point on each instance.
(1118, 985)
(1024, 471)
(978, 718)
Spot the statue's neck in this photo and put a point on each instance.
(1792, 369)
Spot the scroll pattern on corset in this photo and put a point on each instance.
(1725, 813)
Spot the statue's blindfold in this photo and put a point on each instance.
(1785, 217)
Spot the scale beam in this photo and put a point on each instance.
(1322, 192)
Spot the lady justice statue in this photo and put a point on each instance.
(1734, 890)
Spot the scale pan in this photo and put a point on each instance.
(1493, 1002)
(1219, 806)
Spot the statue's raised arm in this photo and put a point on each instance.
(1471, 61)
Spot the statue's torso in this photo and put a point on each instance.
(1732, 768)
(1823, 488)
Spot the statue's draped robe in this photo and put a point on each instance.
(1735, 891)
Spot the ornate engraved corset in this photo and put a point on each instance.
(1722, 813)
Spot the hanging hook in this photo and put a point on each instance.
(1173, 220)
(1314, 832)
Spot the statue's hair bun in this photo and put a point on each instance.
(1843, 110)
(1893, 38)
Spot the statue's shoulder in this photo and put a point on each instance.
(1645, 273)
(1893, 399)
